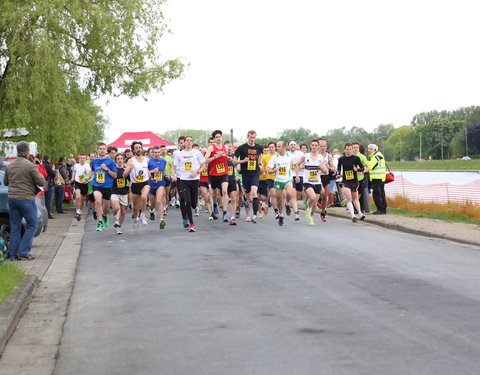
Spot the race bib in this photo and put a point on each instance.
(81, 178)
(188, 166)
(349, 175)
(220, 168)
(139, 178)
(121, 183)
(205, 173)
(282, 171)
(158, 176)
(230, 170)
(100, 178)
(313, 176)
(252, 165)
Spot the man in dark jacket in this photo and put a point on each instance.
(50, 186)
(23, 179)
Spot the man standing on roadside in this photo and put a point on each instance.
(23, 179)
(377, 178)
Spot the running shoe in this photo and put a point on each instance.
(265, 209)
(297, 216)
(260, 215)
(323, 217)
(152, 215)
(186, 223)
(135, 224)
(99, 226)
(247, 219)
(354, 219)
(280, 221)
(288, 209)
(106, 223)
(237, 213)
(232, 221)
(210, 217)
(215, 217)
(177, 203)
(277, 215)
(78, 217)
(144, 220)
(363, 218)
(215, 210)
(95, 217)
(192, 228)
(197, 212)
(163, 224)
(118, 230)
(319, 205)
(254, 219)
(225, 218)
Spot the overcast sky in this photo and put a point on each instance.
(273, 64)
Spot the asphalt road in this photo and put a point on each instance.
(337, 298)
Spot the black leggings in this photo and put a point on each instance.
(188, 191)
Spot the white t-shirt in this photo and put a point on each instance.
(283, 165)
(311, 174)
(81, 171)
(187, 162)
(297, 156)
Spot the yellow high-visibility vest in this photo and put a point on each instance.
(377, 165)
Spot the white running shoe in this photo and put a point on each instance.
(135, 225)
(247, 219)
(144, 220)
(196, 212)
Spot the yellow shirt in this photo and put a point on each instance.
(265, 160)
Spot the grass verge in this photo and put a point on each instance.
(435, 164)
(446, 216)
(10, 276)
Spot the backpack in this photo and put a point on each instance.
(58, 179)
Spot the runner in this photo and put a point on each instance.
(112, 152)
(81, 170)
(204, 188)
(168, 167)
(156, 167)
(188, 164)
(137, 167)
(120, 193)
(270, 177)
(232, 183)
(297, 155)
(104, 171)
(349, 165)
(216, 158)
(248, 155)
(328, 161)
(312, 183)
(262, 186)
(281, 165)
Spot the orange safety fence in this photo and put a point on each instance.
(438, 197)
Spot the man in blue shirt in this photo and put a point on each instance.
(156, 168)
(104, 171)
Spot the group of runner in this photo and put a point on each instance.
(223, 175)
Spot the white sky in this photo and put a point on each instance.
(274, 64)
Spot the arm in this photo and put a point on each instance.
(331, 165)
(297, 168)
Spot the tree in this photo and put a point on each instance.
(53, 52)
(300, 135)
(401, 144)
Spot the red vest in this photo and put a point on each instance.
(219, 166)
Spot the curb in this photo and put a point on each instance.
(13, 308)
(402, 228)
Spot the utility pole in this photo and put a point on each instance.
(231, 135)
(466, 140)
(420, 146)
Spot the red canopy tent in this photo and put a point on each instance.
(147, 138)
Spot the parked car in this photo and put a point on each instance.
(5, 213)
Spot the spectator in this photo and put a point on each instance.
(50, 185)
(377, 179)
(60, 189)
(23, 179)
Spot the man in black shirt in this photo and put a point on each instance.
(249, 156)
(348, 166)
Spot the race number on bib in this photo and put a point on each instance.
(100, 178)
(158, 176)
(230, 170)
(205, 173)
(81, 178)
(313, 176)
(188, 166)
(252, 165)
(121, 183)
(220, 168)
(139, 178)
(349, 175)
(282, 171)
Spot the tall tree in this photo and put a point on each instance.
(53, 52)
